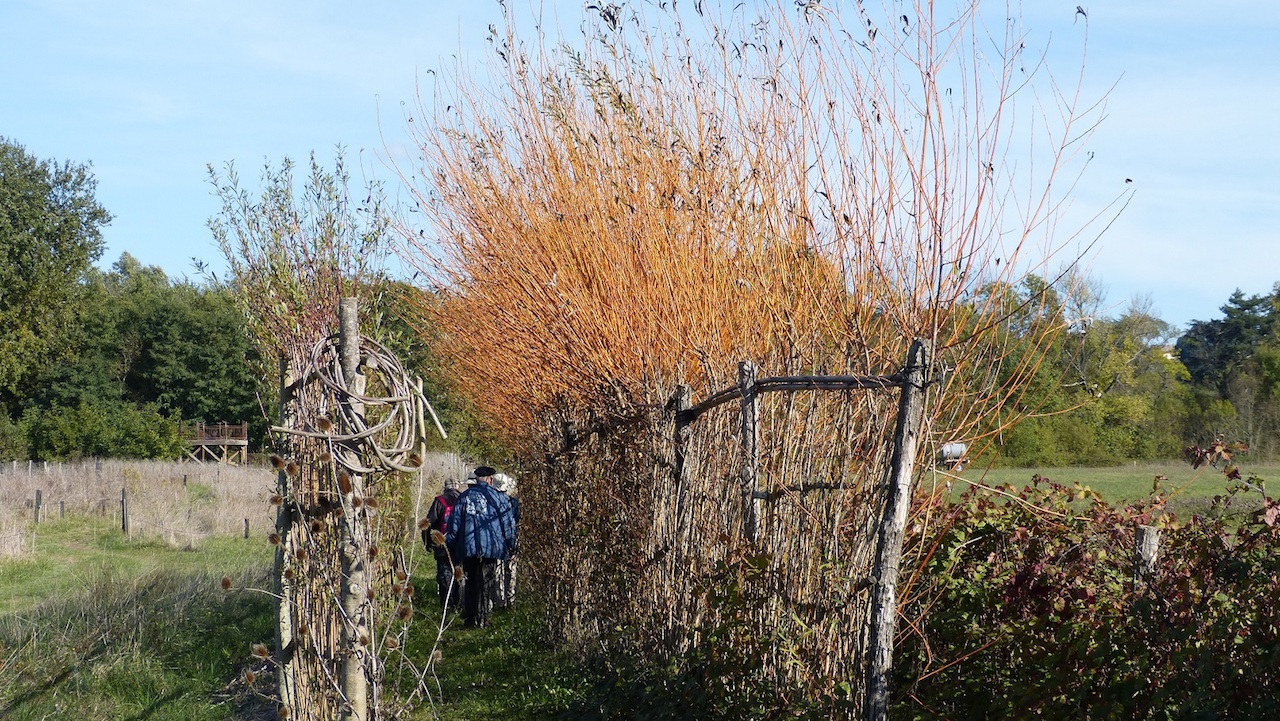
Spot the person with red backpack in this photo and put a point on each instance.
(438, 520)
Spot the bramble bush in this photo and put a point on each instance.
(1029, 608)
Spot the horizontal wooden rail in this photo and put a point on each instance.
(790, 383)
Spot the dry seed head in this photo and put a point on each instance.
(437, 656)
(356, 501)
(371, 502)
(401, 575)
(422, 524)
(324, 424)
(277, 462)
(415, 460)
(316, 526)
(458, 575)
(369, 594)
(276, 499)
(409, 590)
(437, 537)
(292, 468)
(396, 589)
(326, 457)
(288, 573)
(273, 538)
(364, 640)
(260, 650)
(226, 583)
(404, 613)
(250, 677)
(303, 628)
(373, 551)
(301, 554)
(392, 644)
(344, 481)
(283, 712)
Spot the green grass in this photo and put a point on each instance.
(1190, 488)
(97, 627)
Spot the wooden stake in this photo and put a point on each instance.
(893, 523)
(355, 636)
(750, 440)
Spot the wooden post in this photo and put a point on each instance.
(246, 528)
(682, 400)
(355, 632)
(750, 439)
(124, 512)
(62, 509)
(39, 499)
(1146, 549)
(893, 523)
(283, 585)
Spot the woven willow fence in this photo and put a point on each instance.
(660, 531)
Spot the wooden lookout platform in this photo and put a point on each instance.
(217, 442)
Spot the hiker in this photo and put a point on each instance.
(481, 530)
(504, 590)
(438, 520)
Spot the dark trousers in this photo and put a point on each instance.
(478, 590)
(450, 590)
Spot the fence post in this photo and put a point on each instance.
(283, 585)
(124, 512)
(246, 528)
(62, 509)
(680, 402)
(893, 522)
(1146, 548)
(354, 582)
(39, 500)
(750, 417)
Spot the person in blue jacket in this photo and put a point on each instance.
(481, 531)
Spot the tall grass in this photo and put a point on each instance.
(182, 504)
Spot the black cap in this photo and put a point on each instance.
(484, 471)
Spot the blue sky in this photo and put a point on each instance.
(152, 91)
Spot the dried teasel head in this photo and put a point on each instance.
(250, 677)
(369, 594)
(277, 462)
(292, 468)
(414, 460)
(344, 481)
(316, 526)
(392, 644)
(276, 499)
(364, 640)
(326, 457)
(273, 538)
(226, 583)
(404, 613)
(357, 501)
(401, 575)
(437, 537)
(288, 573)
(283, 712)
(260, 650)
(458, 575)
(396, 589)
(324, 424)
(437, 656)
(301, 554)
(423, 524)
(371, 502)
(373, 551)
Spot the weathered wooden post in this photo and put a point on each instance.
(283, 584)
(893, 523)
(355, 637)
(680, 403)
(1147, 547)
(750, 439)
(124, 512)
(39, 500)
(62, 509)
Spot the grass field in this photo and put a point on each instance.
(1190, 488)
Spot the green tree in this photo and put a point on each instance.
(49, 238)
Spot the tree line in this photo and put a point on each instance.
(110, 362)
